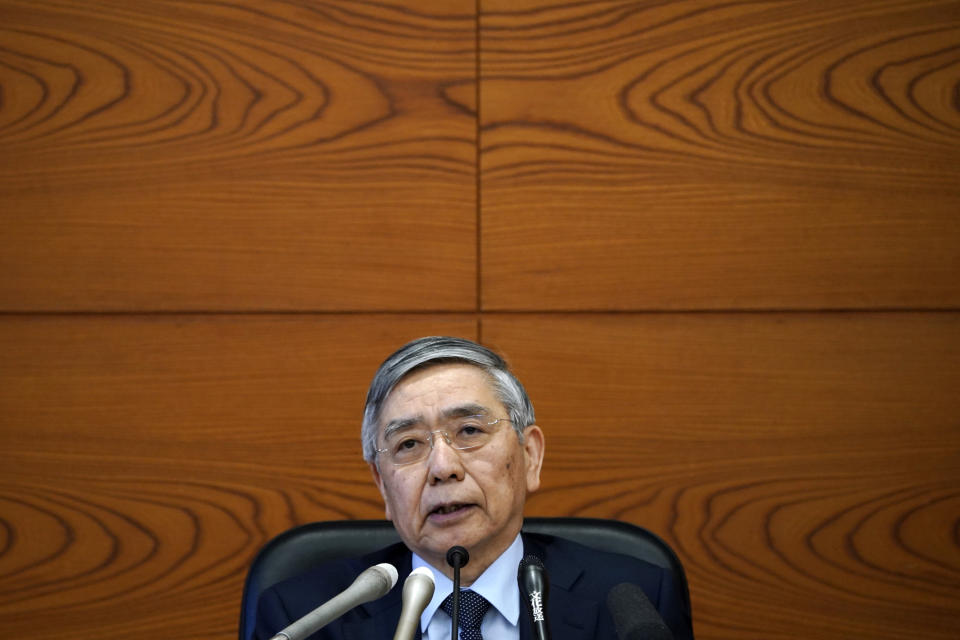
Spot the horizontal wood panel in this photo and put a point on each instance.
(237, 156)
(805, 466)
(145, 459)
(707, 155)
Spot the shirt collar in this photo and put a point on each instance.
(498, 584)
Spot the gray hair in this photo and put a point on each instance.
(434, 350)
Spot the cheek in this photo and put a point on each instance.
(516, 464)
(404, 495)
(509, 481)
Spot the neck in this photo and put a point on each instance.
(480, 561)
(469, 573)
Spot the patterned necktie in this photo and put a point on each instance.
(473, 606)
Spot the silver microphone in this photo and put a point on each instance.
(373, 583)
(417, 592)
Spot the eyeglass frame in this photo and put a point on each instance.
(446, 437)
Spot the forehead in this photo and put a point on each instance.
(436, 389)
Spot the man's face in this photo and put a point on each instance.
(469, 498)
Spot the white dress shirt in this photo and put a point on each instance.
(498, 584)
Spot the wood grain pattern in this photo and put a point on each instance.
(707, 155)
(805, 466)
(315, 157)
(237, 156)
(145, 459)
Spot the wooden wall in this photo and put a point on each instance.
(718, 241)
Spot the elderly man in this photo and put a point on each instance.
(451, 441)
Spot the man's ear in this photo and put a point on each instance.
(378, 480)
(533, 448)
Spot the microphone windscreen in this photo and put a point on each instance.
(420, 584)
(531, 574)
(390, 574)
(531, 560)
(634, 616)
(418, 589)
(457, 556)
(423, 571)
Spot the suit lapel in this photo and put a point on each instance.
(572, 616)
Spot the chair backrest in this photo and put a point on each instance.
(302, 548)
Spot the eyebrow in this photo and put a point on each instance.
(460, 411)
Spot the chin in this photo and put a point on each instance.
(439, 545)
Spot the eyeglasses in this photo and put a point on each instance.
(408, 445)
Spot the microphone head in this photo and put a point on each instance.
(389, 572)
(457, 557)
(531, 560)
(423, 571)
(420, 585)
(634, 616)
(532, 575)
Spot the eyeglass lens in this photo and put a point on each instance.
(413, 444)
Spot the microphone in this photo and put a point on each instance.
(457, 557)
(373, 583)
(634, 616)
(534, 587)
(417, 592)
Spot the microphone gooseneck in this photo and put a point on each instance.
(417, 592)
(457, 557)
(634, 616)
(373, 583)
(534, 587)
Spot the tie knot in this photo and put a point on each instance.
(473, 607)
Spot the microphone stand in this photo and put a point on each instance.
(456, 557)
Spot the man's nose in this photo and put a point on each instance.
(444, 462)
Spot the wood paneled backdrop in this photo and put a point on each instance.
(719, 241)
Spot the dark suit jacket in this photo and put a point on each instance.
(580, 578)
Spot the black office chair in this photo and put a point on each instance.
(311, 545)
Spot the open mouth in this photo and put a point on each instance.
(449, 508)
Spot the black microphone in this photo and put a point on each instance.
(373, 583)
(457, 557)
(534, 587)
(634, 616)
